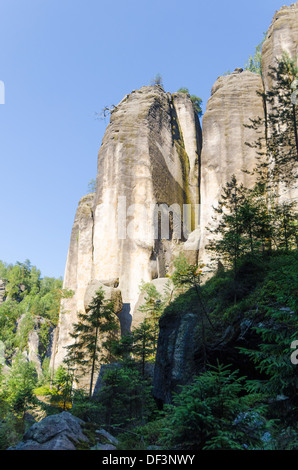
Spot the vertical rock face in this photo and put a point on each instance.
(282, 36)
(149, 157)
(77, 274)
(233, 102)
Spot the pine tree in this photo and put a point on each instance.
(229, 243)
(93, 336)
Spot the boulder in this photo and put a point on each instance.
(57, 432)
(111, 294)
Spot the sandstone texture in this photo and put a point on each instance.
(282, 36)
(154, 154)
(233, 102)
(149, 157)
(175, 359)
(56, 432)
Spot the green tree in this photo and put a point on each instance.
(285, 225)
(125, 398)
(20, 386)
(93, 336)
(214, 412)
(196, 101)
(157, 80)
(254, 63)
(229, 242)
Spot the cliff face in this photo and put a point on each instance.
(282, 36)
(233, 102)
(151, 156)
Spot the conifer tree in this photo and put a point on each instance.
(93, 335)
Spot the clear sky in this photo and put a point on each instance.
(61, 61)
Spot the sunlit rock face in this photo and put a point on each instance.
(282, 38)
(154, 155)
(234, 101)
(148, 160)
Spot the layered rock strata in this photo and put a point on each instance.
(234, 101)
(132, 227)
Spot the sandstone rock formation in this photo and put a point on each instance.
(32, 352)
(233, 102)
(56, 432)
(282, 36)
(149, 156)
(175, 360)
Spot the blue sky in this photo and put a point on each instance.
(61, 61)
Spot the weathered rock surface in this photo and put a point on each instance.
(149, 156)
(282, 36)
(175, 359)
(181, 349)
(233, 102)
(56, 432)
(77, 275)
(34, 347)
(111, 294)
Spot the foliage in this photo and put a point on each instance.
(196, 101)
(92, 186)
(157, 80)
(93, 336)
(214, 413)
(125, 396)
(254, 63)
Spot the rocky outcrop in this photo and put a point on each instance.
(282, 36)
(111, 294)
(233, 102)
(77, 275)
(181, 348)
(56, 432)
(34, 350)
(175, 359)
(149, 157)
